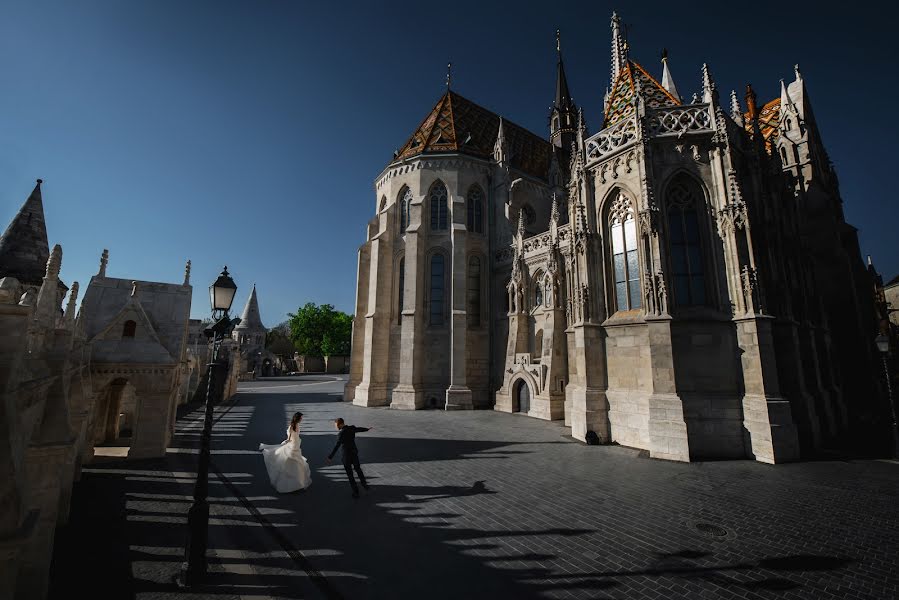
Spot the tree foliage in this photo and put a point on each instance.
(320, 330)
(278, 340)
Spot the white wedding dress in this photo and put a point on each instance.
(286, 465)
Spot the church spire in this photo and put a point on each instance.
(619, 48)
(24, 249)
(562, 115)
(667, 79)
(251, 319)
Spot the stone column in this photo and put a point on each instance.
(667, 429)
(458, 395)
(408, 394)
(785, 334)
(589, 404)
(150, 437)
(357, 351)
(766, 416)
(43, 470)
(554, 360)
(372, 391)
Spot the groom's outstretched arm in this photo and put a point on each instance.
(361, 429)
(336, 447)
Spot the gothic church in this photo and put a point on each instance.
(682, 281)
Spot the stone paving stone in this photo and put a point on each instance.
(489, 505)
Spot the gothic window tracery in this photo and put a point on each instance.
(475, 202)
(405, 206)
(625, 262)
(439, 199)
(685, 242)
(474, 291)
(438, 286)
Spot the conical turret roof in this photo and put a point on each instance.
(251, 319)
(24, 249)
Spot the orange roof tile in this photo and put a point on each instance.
(621, 100)
(454, 118)
(769, 123)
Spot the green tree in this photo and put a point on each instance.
(278, 340)
(320, 330)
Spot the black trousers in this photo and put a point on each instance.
(349, 464)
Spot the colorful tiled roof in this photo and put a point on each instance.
(621, 100)
(457, 124)
(769, 123)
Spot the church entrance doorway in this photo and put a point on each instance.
(522, 397)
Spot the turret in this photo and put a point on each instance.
(563, 115)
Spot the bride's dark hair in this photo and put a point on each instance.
(295, 420)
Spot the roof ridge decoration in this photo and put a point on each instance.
(621, 105)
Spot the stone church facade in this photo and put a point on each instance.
(683, 281)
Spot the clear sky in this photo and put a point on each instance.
(250, 133)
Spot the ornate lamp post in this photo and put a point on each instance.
(883, 345)
(193, 570)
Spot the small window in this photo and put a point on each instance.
(474, 291)
(405, 206)
(402, 290)
(437, 289)
(475, 203)
(439, 198)
(129, 329)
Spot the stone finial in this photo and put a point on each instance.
(554, 212)
(500, 149)
(797, 72)
(619, 47)
(70, 307)
(667, 79)
(187, 273)
(54, 263)
(521, 223)
(736, 113)
(104, 259)
(133, 289)
(709, 89)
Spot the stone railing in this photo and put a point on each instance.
(535, 243)
(611, 139)
(679, 120)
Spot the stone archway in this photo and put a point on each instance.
(521, 397)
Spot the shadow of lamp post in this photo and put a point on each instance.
(193, 569)
(883, 345)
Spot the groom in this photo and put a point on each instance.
(347, 438)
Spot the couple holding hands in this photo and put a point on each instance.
(288, 469)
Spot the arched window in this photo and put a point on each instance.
(437, 289)
(383, 205)
(682, 200)
(783, 155)
(788, 124)
(438, 206)
(474, 291)
(129, 329)
(625, 264)
(475, 204)
(401, 292)
(538, 290)
(405, 206)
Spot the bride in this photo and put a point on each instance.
(286, 465)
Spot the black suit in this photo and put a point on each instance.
(346, 441)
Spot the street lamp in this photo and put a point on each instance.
(883, 345)
(193, 569)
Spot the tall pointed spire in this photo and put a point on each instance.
(24, 249)
(501, 148)
(561, 118)
(251, 319)
(667, 79)
(619, 51)
(709, 90)
(736, 113)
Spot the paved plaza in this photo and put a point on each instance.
(474, 505)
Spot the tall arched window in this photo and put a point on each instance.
(474, 291)
(475, 203)
(682, 201)
(438, 206)
(405, 206)
(129, 329)
(625, 264)
(438, 284)
(401, 292)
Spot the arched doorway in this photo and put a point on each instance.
(522, 397)
(267, 367)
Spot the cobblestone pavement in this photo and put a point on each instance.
(476, 505)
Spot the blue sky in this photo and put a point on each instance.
(250, 133)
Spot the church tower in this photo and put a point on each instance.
(563, 115)
(251, 331)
